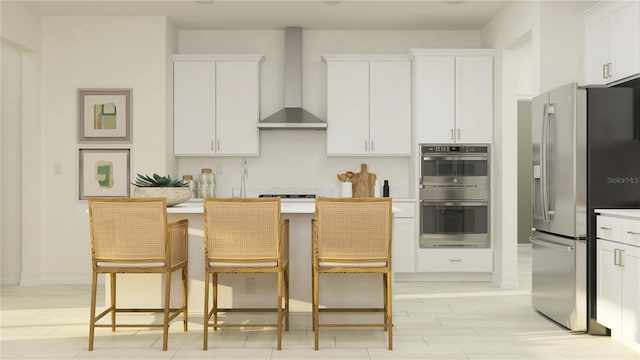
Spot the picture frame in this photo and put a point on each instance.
(104, 116)
(104, 173)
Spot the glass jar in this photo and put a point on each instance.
(206, 184)
(188, 179)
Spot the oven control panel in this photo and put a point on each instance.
(447, 149)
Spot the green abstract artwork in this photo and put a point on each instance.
(104, 174)
(104, 116)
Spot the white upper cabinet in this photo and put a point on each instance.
(474, 99)
(612, 42)
(368, 105)
(216, 104)
(193, 107)
(453, 97)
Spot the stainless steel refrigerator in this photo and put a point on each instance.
(585, 151)
(559, 199)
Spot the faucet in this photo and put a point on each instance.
(244, 174)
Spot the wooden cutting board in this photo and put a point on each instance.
(363, 183)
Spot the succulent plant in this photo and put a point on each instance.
(158, 181)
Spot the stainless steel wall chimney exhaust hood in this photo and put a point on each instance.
(293, 116)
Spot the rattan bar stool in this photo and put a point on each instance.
(132, 236)
(353, 236)
(245, 235)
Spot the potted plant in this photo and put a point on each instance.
(174, 190)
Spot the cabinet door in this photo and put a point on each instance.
(596, 44)
(631, 293)
(435, 96)
(237, 107)
(404, 245)
(194, 107)
(608, 285)
(625, 39)
(474, 99)
(348, 108)
(390, 107)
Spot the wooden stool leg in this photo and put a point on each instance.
(112, 287)
(315, 308)
(92, 320)
(215, 301)
(279, 326)
(185, 298)
(389, 309)
(286, 297)
(205, 336)
(167, 304)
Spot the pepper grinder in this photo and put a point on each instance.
(385, 189)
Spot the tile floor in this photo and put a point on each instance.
(433, 320)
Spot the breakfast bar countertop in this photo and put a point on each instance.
(288, 206)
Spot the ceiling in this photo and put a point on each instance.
(308, 14)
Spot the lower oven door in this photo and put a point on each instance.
(454, 224)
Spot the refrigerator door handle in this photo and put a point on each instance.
(550, 244)
(544, 192)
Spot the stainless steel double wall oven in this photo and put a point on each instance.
(454, 196)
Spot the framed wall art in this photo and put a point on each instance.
(104, 172)
(104, 115)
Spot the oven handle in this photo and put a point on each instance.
(450, 157)
(454, 203)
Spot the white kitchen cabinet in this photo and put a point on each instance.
(611, 42)
(404, 237)
(216, 104)
(368, 105)
(453, 96)
(618, 276)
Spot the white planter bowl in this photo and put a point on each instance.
(174, 195)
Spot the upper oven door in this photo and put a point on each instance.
(436, 166)
(454, 177)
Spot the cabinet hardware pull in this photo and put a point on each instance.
(458, 134)
(366, 145)
(621, 260)
(604, 71)
(605, 228)
(633, 233)
(609, 70)
(452, 134)
(372, 146)
(212, 148)
(455, 260)
(218, 145)
(617, 257)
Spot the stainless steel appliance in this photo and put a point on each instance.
(559, 206)
(585, 151)
(454, 196)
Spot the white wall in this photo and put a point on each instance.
(21, 33)
(561, 42)
(552, 29)
(19, 27)
(295, 159)
(10, 165)
(96, 52)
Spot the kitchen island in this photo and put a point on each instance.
(254, 290)
(618, 273)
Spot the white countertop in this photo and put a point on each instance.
(287, 206)
(626, 213)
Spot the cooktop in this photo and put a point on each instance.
(290, 196)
